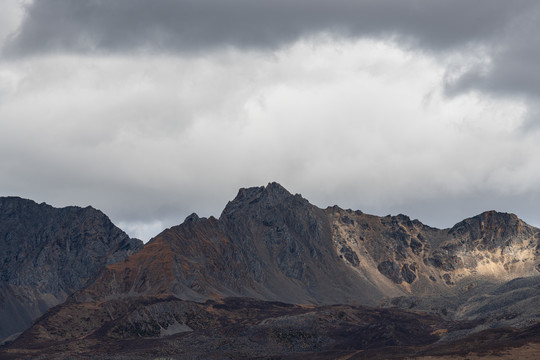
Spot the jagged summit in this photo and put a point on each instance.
(192, 218)
(273, 189)
(277, 190)
(488, 220)
(497, 227)
(261, 197)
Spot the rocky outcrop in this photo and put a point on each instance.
(492, 244)
(420, 260)
(47, 253)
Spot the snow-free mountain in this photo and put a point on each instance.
(273, 264)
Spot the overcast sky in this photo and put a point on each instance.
(152, 110)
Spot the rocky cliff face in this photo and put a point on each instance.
(46, 254)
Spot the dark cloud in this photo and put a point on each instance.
(189, 25)
(511, 69)
(503, 30)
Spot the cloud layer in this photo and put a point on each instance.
(186, 25)
(153, 112)
(500, 29)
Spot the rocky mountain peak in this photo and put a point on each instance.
(262, 197)
(267, 244)
(276, 189)
(491, 217)
(192, 218)
(490, 225)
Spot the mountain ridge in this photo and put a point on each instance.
(271, 246)
(267, 235)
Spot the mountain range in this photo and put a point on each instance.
(273, 277)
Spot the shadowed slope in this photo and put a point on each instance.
(47, 253)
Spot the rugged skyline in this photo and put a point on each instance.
(151, 112)
(226, 287)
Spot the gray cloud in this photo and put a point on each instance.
(515, 58)
(500, 30)
(187, 25)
